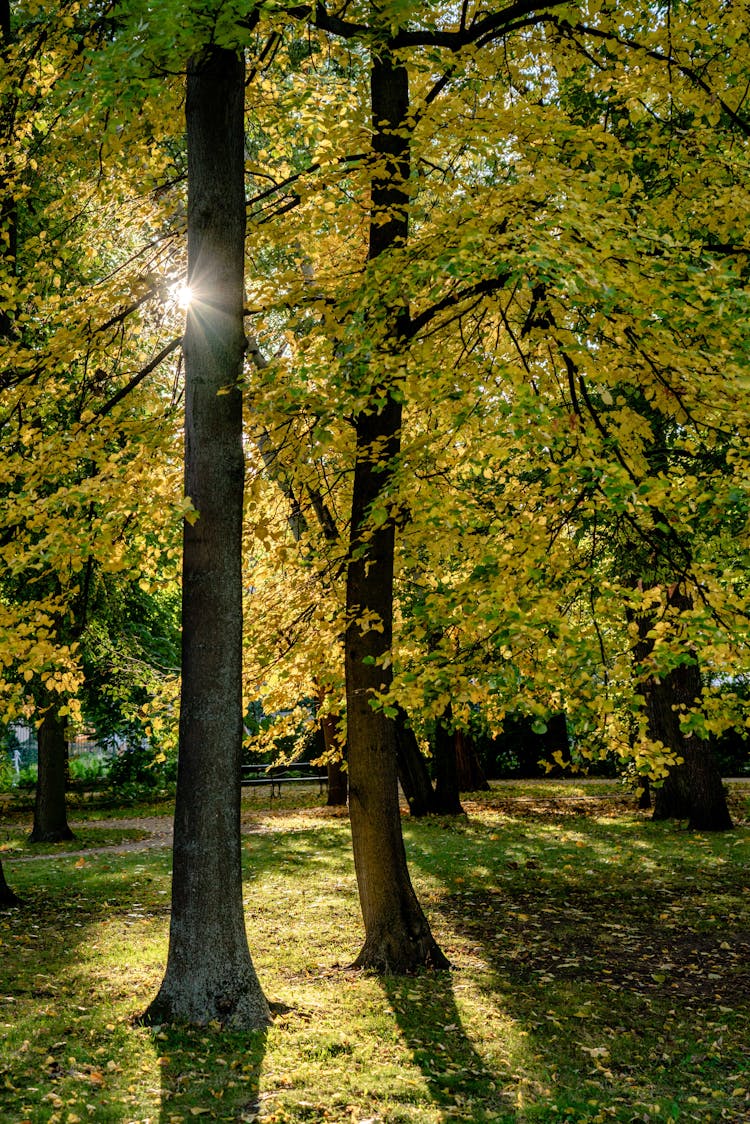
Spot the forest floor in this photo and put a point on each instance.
(601, 971)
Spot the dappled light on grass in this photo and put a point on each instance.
(600, 973)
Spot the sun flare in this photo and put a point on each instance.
(182, 294)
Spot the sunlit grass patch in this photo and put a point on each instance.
(600, 973)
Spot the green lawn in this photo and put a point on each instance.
(601, 972)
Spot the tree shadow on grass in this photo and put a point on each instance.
(626, 967)
(209, 1071)
(457, 1078)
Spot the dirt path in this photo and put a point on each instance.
(159, 829)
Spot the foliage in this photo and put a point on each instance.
(136, 773)
(88, 770)
(88, 469)
(600, 972)
(26, 778)
(573, 374)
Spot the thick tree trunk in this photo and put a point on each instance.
(447, 799)
(397, 935)
(50, 812)
(471, 776)
(338, 781)
(693, 790)
(412, 769)
(7, 897)
(210, 975)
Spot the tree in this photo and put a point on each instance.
(692, 788)
(75, 428)
(50, 812)
(209, 974)
(397, 935)
(7, 897)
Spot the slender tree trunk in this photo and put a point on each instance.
(8, 213)
(644, 798)
(412, 769)
(471, 776)
(338, 785)
(7, 897)
(338, 781)
(693, 790)
(397, 935)
(210, 975)
(447, 798)
(50, 813)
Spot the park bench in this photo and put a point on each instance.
(276, 775)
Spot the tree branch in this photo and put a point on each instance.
(136, 379)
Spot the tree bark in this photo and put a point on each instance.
(447, 798)
(7, 897)
(210, 974)
(50, 813)
(471, 776)
(338, 781)
(693, 790)
(412, 769)
(397, 934)
(8, 212)
(644, 799)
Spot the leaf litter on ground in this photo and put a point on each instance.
(600, 973)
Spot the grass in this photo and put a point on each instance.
(14, 840)
(601, 972)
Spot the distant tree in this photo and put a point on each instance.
(692, 788)
(50, 810)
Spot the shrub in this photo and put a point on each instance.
(89, 770)
(134, 772)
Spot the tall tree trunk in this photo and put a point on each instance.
(209, 974)
(471, 776)
(412, 769)
(50, 813)
(7, 897)
(447, 798)
(397, 935)
(8, 213)
(338, 781)
(693, 789)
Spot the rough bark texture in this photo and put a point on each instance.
(50, 813)
(210, 975)
(397, 935)
(7, 897)
(412, 769)
(693, 790)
